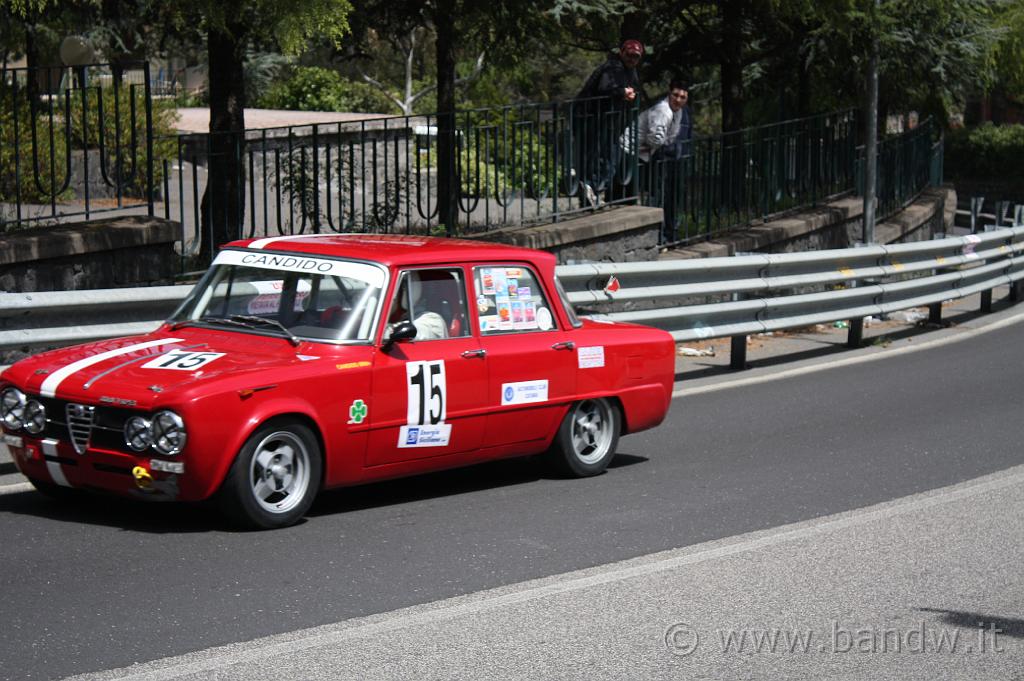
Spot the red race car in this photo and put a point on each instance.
(311, 362)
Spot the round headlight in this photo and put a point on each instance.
(137, 433)
(12, 408)
(35, 417)
(168, 432)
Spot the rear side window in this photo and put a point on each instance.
(509, 299)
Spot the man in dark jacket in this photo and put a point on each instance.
(602, 109)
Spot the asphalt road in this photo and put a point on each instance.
(108, 584)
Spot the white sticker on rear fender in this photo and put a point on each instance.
(590, 357)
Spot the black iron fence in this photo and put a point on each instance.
(81, 142)
(719, 182)
(74, 142)
(512, 165)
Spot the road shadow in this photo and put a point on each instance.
(118, 512)
(1013, 628)
(466, 480)
(185, 518)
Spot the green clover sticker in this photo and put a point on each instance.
(357, 412)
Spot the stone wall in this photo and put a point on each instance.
(108, 253)
(619, 234)
(837, 224)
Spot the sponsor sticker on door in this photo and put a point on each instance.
(524, 392)
(424, 436)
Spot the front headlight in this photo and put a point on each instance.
(137, 434)
(168, 433)
(34, 417)
(12, 408)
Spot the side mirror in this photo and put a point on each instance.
(402, 331)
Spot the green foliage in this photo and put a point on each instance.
(313, 88)
(310, 88)
(1010, 48)
(986, 152)
(25, 185)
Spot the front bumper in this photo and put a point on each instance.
(55, 461)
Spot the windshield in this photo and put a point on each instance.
(299, 296)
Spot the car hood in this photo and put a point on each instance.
(143, 369)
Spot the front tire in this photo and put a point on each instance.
(587, 439)
(275, 476)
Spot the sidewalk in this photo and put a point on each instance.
(825, 598)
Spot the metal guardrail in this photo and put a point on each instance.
(692, 299)
(735, 297)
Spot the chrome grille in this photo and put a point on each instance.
(80, 418)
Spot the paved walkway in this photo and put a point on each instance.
(197, 119)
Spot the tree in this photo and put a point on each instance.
(231, 27)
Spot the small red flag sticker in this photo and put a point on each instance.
(612, 286)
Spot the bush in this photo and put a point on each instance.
(312, 88)
(986, 152)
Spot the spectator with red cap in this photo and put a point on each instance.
(609, 93)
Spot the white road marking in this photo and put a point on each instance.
(208, 662)
(53, 381)
(16, 488)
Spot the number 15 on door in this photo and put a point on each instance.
(427, 392)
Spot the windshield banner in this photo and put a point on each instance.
(372, 275)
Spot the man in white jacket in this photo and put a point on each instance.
(660, 126)
(663, 136)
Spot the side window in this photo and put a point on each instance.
(509, 299)
(434, 301)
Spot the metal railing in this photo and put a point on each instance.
(81, 143)
(74, 142)
(724, 181)
(693, 299)
(512, 165)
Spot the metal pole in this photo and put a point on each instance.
(149, 140)
(871, 143)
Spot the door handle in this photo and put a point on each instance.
(470, 354)
(564, 345)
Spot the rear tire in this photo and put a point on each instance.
(275, 476)
(586, 440)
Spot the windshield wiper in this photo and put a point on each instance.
(208, 320)
(249, 320)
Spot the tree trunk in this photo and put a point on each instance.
(223, 204)
(447, 172)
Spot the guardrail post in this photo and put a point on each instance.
(738, 345)
(855, 336)
(986, 301)
(935, 313)
(738, 353)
